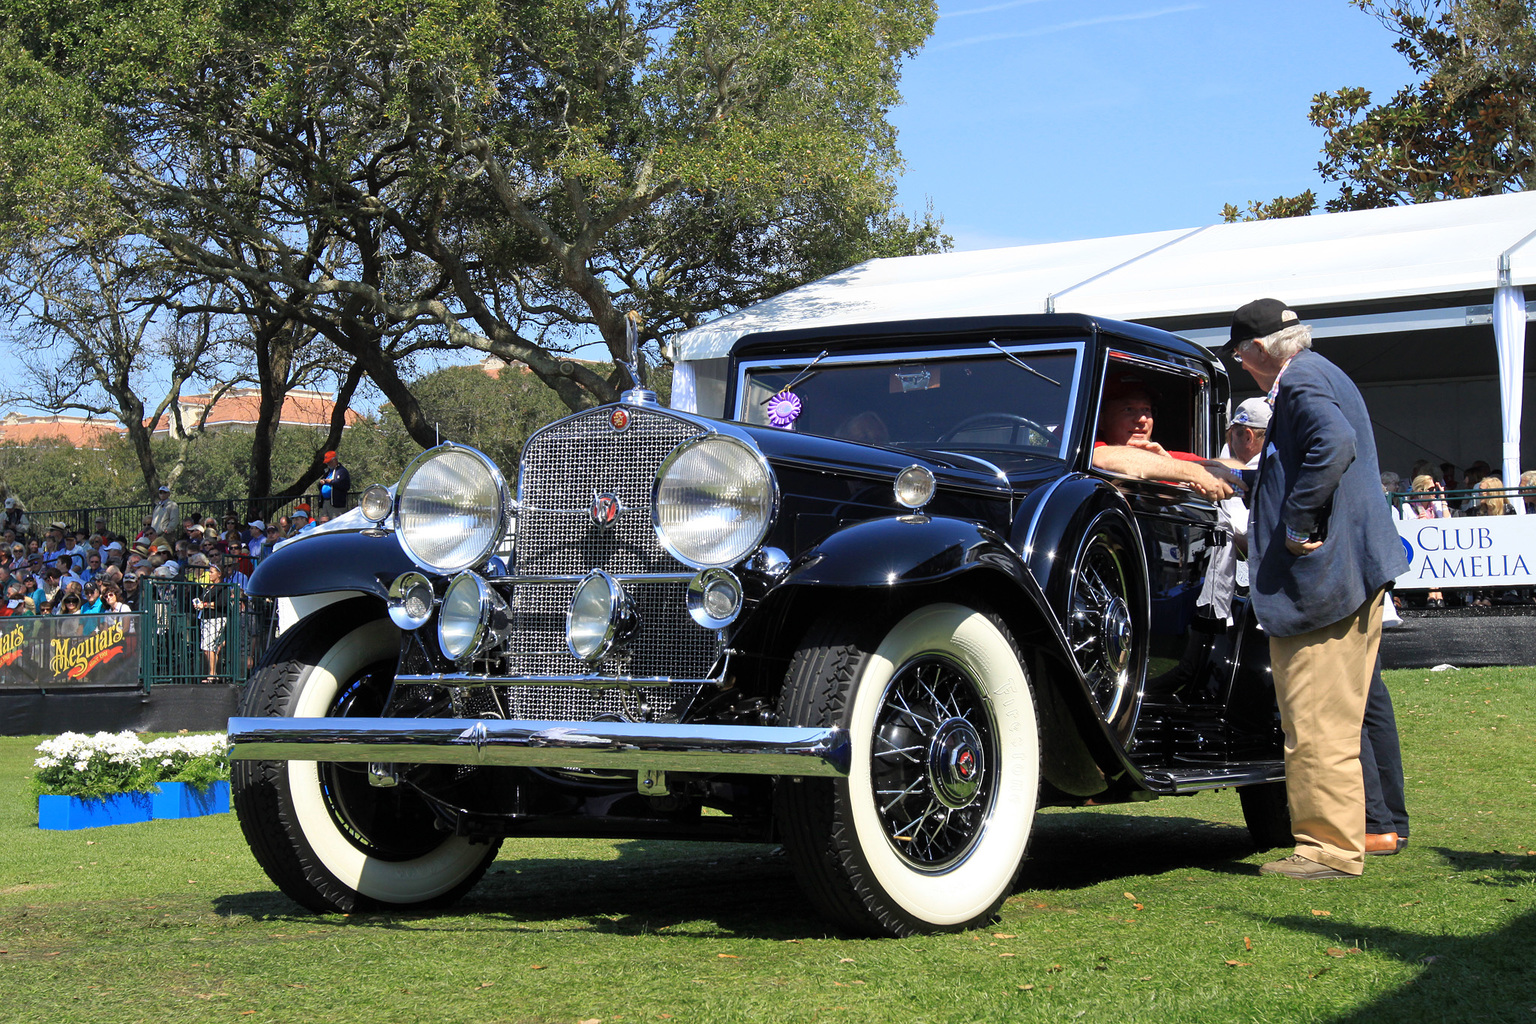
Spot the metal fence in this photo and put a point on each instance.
(126, 520)
(198, 633)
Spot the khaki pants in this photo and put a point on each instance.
(1321, 679)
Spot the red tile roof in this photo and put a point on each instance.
(237, 408)
(77, 430)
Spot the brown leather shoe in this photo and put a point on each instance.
(1299, 867)
(1384, 844)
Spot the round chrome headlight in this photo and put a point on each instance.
(376, 503)
(600, 616)
(914, 487)
(451, 508)
(713, 501)
(473, 617)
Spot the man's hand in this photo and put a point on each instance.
(1147, 445)
(1302, 547)
(1205, 482)
(1222, 471)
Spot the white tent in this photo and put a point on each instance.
(1402, 298)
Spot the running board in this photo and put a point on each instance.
(1193, 780)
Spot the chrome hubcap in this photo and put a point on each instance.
(1116, 634)
(956, 763)
(1101, 628)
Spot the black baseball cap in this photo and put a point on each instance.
(1258, 319)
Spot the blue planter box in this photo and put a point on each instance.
(71, 812)
(184, 800)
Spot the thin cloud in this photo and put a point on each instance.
(1067, 26)
(988, 10)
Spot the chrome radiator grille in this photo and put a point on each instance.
(562, 469)
(569, 463)
(573, 703)
(670, 643)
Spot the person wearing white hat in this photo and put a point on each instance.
(258, 534)
(15, 515)
(1245, 434)
(166, 517)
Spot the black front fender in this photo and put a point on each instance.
(900, 551)
(366, 561)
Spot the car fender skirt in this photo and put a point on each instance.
(366, 561)
(903, 550)
(656, 746)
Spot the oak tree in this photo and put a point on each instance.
(1466, 127)
(512, 177)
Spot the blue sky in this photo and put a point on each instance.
(1045, 120)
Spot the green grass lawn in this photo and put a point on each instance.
(1153, 912)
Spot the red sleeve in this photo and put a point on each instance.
(1187, 456)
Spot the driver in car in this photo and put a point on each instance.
(1125, 444)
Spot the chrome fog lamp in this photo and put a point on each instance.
(714, 598)
(410, 600)
(601, 616)
(914, 487)
(376, 503)
(713, 501)
(472, 619)
(451, 508)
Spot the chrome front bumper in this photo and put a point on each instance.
(639, 746)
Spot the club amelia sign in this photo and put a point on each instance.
(1492, 551)
(73, 650)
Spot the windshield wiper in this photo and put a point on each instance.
(1016, 361)
(804, 375)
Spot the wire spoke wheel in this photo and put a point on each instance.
(933, 748)
(929, 829)
(392, 824)
(1100, 627)
(328, 838)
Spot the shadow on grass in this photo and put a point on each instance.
(1465, 978)
(1077, 849)
(703, 890)
(714, 890)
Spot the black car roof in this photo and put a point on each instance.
(904, 333)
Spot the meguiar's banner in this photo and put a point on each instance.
(1476, 551)
(58, 651)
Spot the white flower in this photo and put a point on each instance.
(88, 755)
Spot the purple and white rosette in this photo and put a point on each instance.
(783, 409)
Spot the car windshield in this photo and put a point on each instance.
(1022, 400)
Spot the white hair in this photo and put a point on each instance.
(1287, 342)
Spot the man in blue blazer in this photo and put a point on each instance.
(1322, 548)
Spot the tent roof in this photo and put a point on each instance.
(1172, 277)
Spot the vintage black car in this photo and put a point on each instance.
(880, 615)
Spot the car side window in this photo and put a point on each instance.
(1145, 401)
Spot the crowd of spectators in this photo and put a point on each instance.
(60, 568)
(1441, 491)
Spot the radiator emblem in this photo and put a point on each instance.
(605, 509)
(619, 419)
